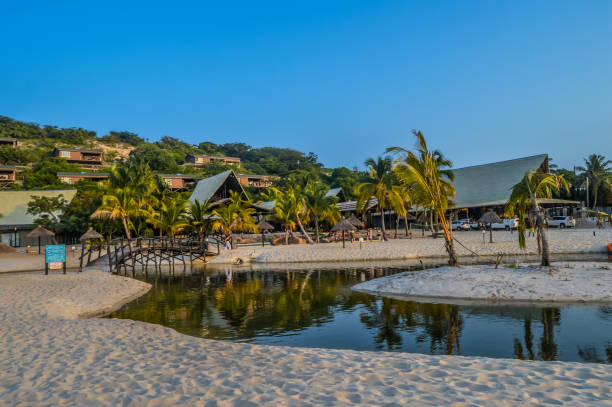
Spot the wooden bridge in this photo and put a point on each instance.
(145, 252)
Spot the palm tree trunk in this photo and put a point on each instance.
(396, 225)
(286, 236)
(125, 227)
(406, 224)
(382, 224)
(317, 228)
(450, 248)
(303, 231)
(540, 224)
(595, 188)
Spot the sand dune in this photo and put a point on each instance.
(50, 357)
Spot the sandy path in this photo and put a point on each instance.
(49, 357)
(561, 241)
(568, 282)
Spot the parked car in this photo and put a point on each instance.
(461, 224)
(506, 224)
(562, 222)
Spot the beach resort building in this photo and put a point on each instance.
(179, 182)
(16, 222)
(86, 158)
(256, 181)
(202, 160)
(10, 142)
(8, 175)
(73, 177)
(217, 188)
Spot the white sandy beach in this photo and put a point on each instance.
(48, 356)
(561, 242)
(566, 282)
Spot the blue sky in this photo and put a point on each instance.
(484, 80)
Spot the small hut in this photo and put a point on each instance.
(91, 234)
(343, 226)
(264, 226)
(39, 233)
(490, 217)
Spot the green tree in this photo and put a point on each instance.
(382, 186)
(319, 205)
(199, 218)
(237, 216)
(423, 171)
(598, 170)
(533, 186)
(47, 209)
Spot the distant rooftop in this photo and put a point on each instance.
(84, 174)
(82, 150)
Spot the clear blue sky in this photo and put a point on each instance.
(484, 81)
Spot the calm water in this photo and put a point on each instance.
(316, 308)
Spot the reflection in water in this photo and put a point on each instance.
(317, 308)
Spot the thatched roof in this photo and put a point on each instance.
(263, 225)
(91, 234)
(355, 222)
(490, 217)
(40, 232)
(344, 224)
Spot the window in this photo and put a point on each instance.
(65, 154)
(168, 181)
(67, 180)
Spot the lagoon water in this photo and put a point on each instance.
(315, 307)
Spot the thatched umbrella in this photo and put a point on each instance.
(355, 222)
(264, 227)
(343, 226)
(40, 232)
(91, 234)
(490, 217)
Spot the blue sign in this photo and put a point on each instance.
(55, 253)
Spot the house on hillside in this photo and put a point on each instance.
(15, 222)
(8, 175)
(73, 177)
(86, 158)
(11, 142)
(217, 188)
(179, 182)
(202, 160)
(256, 181)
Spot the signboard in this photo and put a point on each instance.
(55, 253)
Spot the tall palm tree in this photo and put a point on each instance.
(380, 186)
(599, 172)
(285, 209)
(121, 204)
(200, 219)
(423, 170)
(319, 205)
(533, 186)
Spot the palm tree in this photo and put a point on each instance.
(423, 170)
(200, 219)
(319, 205)
(172, 216)
(599, 172)
(535, 185)
(285, 209)
(380, 186)
(235, 216)
(121, 204)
